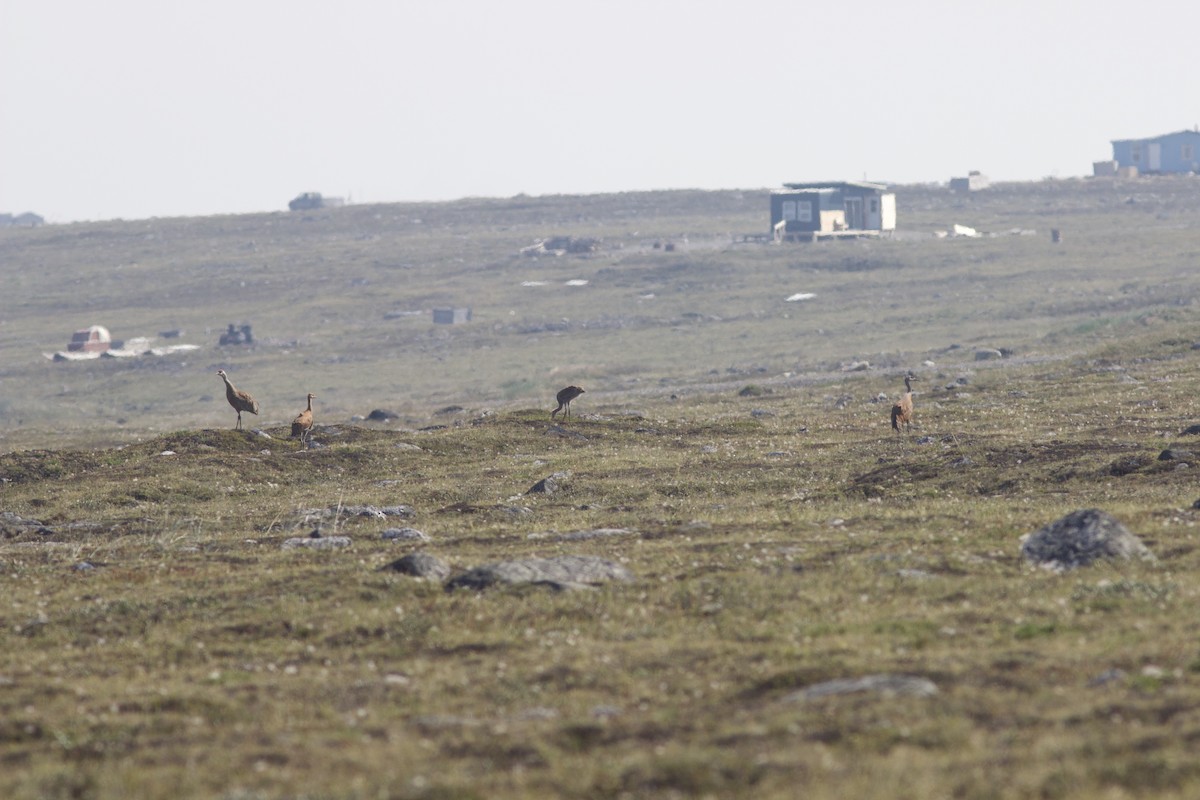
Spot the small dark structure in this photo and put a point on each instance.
(451, 316)
(237, 335)
(811, 211)
(311, 200)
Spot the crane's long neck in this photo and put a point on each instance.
(908, 385)
(310, 402)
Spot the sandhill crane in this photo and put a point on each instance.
(303, 423)
(564, 398)
(902, 411)
(241, 401)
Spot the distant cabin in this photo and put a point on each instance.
(94, 339)
(809, 211)
(1170, 154)
(974, 182)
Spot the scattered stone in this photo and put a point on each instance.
(598, 533)
(987, 354)
(1107, 677)
(83, 566)
(761, 413)
(1175, 454)
(888, 685)
(561, 572)
(550, 485)
(382, 415)
(317, 542)
(346, 512)
(404, 512)
(405, 534)
(752, 390)
(1080, 538)
(421, 565)
(516, 511)
(1128, 464)
(1191, 430)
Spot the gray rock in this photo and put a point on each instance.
(987, 354)
(1191, 430)
(404, 512)
(560, 572)
(405, 534)
(1080, 538)
(598, 533)
(885, 684)
(316, 542)
(421, 565)
(1175, 454)
(550, 484)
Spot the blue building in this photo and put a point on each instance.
(1172, 153)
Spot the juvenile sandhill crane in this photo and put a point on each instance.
(303, 423)
(564, 398)
(902, 411)
(241, 401)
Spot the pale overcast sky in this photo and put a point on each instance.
(142, 108)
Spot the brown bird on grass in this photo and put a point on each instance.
(241, 401)
(564, 398)
(902, 411)
(303, 423)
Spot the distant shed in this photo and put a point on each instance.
(806, 211)
(94, 339)
(974, 182)
(451, 316)
(1172, 153)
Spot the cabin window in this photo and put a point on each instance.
(874, 205)
(789, 210)
(804, 210)
(1186, 151)
(1135, 153)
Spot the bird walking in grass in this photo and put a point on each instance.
(564, 398)
(241, 401)
(303, 423)
(902, 410)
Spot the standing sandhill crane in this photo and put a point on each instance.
(564, 398)
(241, 401)
(303, 423)
(902, 411)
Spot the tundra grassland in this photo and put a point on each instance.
(157, 639)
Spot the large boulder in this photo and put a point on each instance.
(1080, 538)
